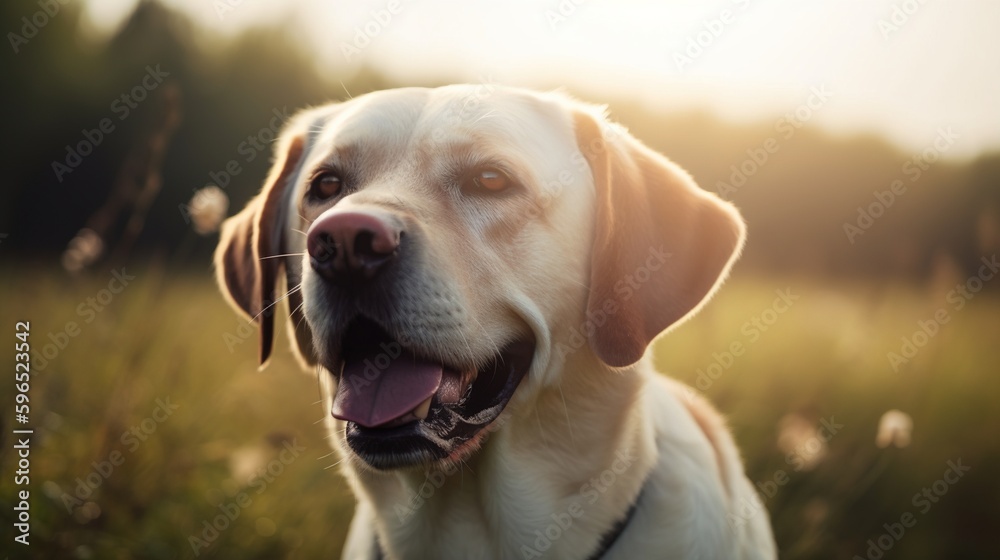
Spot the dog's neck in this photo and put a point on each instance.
(518, 497)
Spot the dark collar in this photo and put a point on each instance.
(609, 538)
(607, 541)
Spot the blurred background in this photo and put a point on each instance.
(854, 348)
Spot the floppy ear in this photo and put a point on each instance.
(247, 259)
(661, 244)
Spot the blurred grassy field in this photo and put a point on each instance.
(824, 358)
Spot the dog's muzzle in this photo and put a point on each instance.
(402, 406)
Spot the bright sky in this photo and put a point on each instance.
(936, 64)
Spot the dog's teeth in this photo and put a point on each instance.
(423, 409)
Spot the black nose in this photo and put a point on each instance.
(344, 244)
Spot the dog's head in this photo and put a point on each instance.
(442, 248)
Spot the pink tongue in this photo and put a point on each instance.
(372, 396)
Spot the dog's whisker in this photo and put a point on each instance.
(307, 221)
(298, 231)
(325, 456)
(349, 96)
(541, 431)
(569, 424)
(466, 341)
(578, 283)
(485, 334)
(484, 116)
(299, 322)
(283, 255)
(275, 302)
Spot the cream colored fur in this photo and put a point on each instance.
(573, 419)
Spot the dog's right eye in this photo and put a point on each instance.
(325, 185)
(487, 180)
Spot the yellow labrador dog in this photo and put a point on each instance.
(476, 273)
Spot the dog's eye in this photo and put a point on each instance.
(325, 185)
(488, 179)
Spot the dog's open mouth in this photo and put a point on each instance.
(403, 409)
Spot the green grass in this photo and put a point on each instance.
(162, 337)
